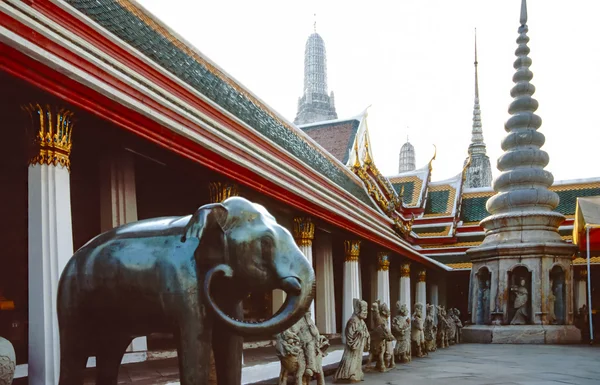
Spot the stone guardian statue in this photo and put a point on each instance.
(520, 302)
(401, 329)
(357, 342)
(430, 330)
(417, 334)
(380, 335)
(442, 329)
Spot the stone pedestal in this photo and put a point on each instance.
(522, 334)
(351, 281)
(405, 286)
(325, 306)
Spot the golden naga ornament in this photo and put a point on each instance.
(405, 270)
(304, 231)
(352, 249)
(384, 260)
(219, 191)
(50, 130)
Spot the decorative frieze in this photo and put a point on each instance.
(219, 191)
(352, 250)
(50, 130)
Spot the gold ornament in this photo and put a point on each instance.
(384, 260)
(422, 275)
(582, 274)
(304, 231)
(219, 191)
(352, 249)
(50, 130)
(405, 270)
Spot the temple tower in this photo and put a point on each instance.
(407, 158)
(479, 172)
(521, 273)
(315, 105)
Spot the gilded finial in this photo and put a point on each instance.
(356, 160)
(367, 160)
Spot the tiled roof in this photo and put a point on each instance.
(460, 265)
(433, 231)
(583, 261)
(473, 209)
(412, 185)
(336, 137)
(442, 197)
(130, 24)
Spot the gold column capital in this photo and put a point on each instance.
(405, 270)
(219, 191)
(422, 275)
(582, 275)
(384, 260)
(352, 250)
(304, 231)
(50, 130)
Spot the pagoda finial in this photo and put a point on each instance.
(523, 12)
(476, 76)
(315, 23)
(477, 145)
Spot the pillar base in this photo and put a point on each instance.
(522, 334)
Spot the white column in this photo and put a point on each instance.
(383, 280)
(580, 289)
(351, 280)
(304, 233)
(421, 290)
(50, 237)
(434, 300)
(325, 306)
(405, 286)
(118, 205)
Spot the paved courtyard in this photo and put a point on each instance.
(497, 364)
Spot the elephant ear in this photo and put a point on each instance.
(206, 218)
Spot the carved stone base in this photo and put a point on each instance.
(525, 334)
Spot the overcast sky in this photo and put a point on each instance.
(413, 62)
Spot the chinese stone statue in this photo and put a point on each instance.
(417, 334)
(380, 335)
(7, 362)
(442, 329)
(558, 292)
(401, 330)
(357, 342)
(455, 314)
(451, 331)
(300, 350)
(521, 299)
(388, 357)
(483, 307)
(430, 330)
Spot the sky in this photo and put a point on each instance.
(412, 62)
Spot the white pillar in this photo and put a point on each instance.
(405, 286)
(580, 289)
(304, 233)
(325, 306)
(383, 280)
(434, 300)
(50, 237)
(421, 290)
(351, 280)
(118, 205)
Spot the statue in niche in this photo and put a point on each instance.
(442, 328)
(417, 334)
(300, 350)
(430, 330)
(401, 330)
(357, 342)
(558, 292)
(483, 299)
(520, 302)
(455, 315)
(380, 335)
(388, 357)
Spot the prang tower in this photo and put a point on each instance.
(315, 105)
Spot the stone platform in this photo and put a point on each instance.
(522, 334)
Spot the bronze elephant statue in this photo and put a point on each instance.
(181, 275)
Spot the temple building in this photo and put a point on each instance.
(315, 105)
(112, 118)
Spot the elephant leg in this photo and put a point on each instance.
(109, 353)
(73, 357)
(194, 343)
(228, 349)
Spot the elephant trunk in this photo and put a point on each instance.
(300, 289)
